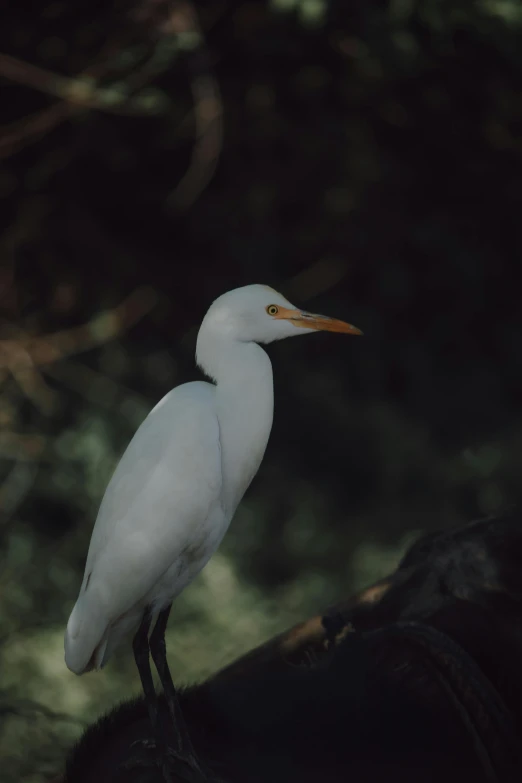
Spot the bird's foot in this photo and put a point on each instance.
(190, 768)
(151, 756)
(172, 764)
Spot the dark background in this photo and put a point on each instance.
(362, 157)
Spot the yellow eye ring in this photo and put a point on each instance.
(272, 309)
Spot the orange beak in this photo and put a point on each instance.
(313, 321)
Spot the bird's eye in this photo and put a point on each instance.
(272, 309)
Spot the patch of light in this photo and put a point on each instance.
(284, 5)
(508, 10)
(310, 12)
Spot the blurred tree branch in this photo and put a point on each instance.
(208, 110)
(176, 28)
(80, 91)
(23, 356)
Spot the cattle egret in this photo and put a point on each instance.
(177, 486)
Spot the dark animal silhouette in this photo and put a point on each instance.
(416, 678)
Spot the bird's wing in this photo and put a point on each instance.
(165, 487)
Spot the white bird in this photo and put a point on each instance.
(174, 492)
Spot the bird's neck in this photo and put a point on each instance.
(244, 406)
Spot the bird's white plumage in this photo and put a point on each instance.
(161, 509)
(178, 484)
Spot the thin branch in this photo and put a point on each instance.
(177, 21)
(21, 366)
(79, 91)
(84, 380)
(17, 135)
(208, 110)
(100, 329)
(21, 357)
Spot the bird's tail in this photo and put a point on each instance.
(85, 639)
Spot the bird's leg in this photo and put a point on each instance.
(140, 646)
(158, 651)
(184, 747)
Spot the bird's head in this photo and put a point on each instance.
(257, 313)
